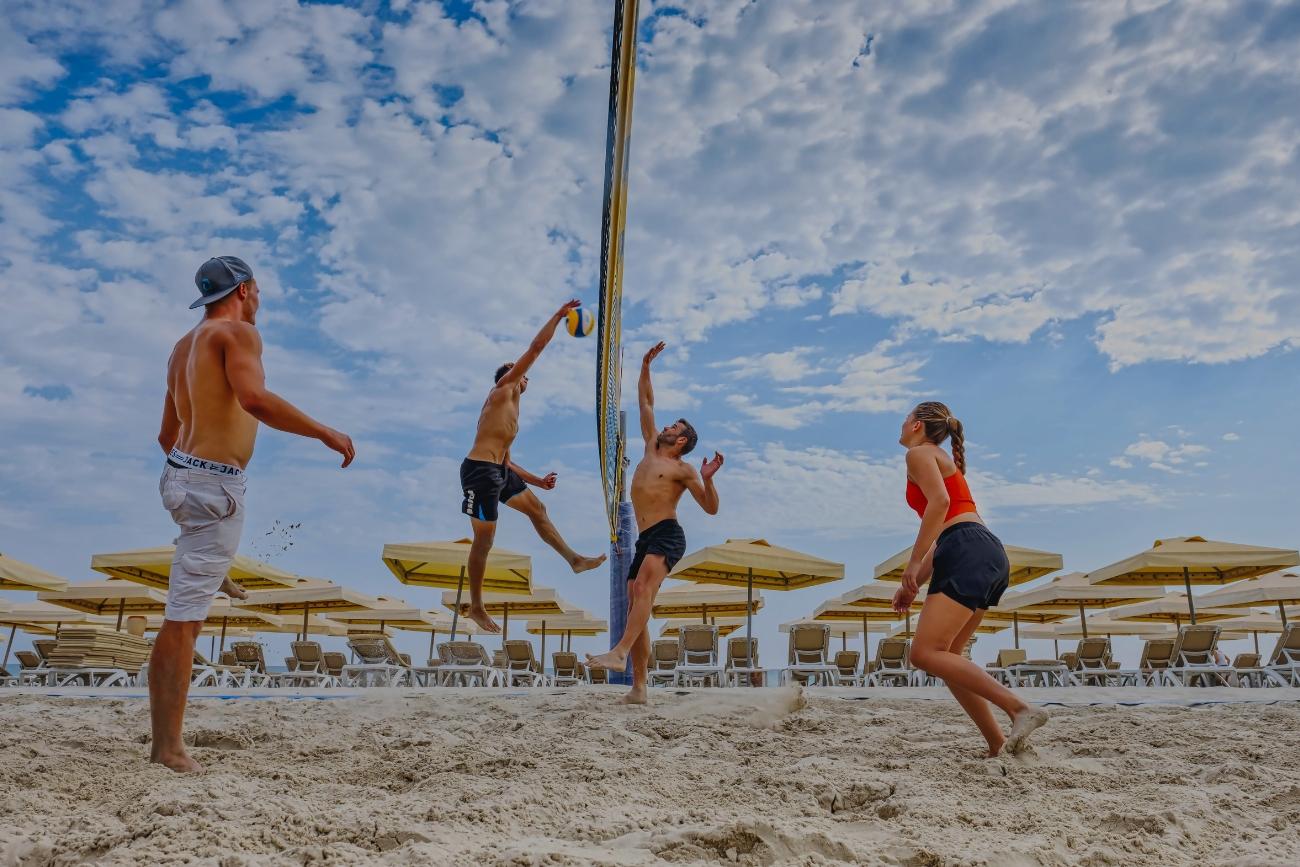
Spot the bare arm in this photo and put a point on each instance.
(924, 470)
(546, 482)
(701, 485)
(171, 424)
(535, 348)
(243, 355)
(646, 396)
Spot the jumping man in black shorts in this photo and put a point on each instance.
(488, 477)
(658, 484)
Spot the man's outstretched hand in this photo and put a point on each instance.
(548, 481)
(341, 443)
(568, 305)
(653, 353)
(711, 466)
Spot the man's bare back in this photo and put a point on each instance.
(212, 423)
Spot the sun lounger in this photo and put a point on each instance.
(1284, 662)
(1000, 667)
(567, 671)
(1193, 657)
(808, 658)
(892, 664)
(742, 661)
(1246, 670)
(248, 654)
(309, 667)
(334, 662)
(466, 663)
(379, 662)
(598, 674)
(1094, 665)
(699, 663)
(846, 663)
(96, 657)
(664, 656)
(32, 669)
(521, 665)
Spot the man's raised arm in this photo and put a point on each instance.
(520, 367)
(646, 395)
(247, 379)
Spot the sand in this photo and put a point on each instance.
(561, 777)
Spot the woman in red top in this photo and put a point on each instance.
(967, 569)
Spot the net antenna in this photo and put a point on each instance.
(609, 344)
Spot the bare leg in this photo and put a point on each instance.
(640, 669)
(530, 505)
(484, 534)
(170, 665)
(233, 590)
(976, 708)
(942, 620)
(654, 569)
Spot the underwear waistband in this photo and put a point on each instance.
(182, 461)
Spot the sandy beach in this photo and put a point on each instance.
(723, 776)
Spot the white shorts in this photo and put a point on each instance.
(208, 505)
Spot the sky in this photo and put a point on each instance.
(1076, 224)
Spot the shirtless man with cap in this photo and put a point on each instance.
(216, 395)
(488, 477)
(657, 486)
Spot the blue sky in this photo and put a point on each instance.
(1076, 224)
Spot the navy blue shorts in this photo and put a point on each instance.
(970, 566)
(485, 485)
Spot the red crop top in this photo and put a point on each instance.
(959, 498)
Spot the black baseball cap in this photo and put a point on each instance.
(218, 277)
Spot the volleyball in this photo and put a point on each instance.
(580, 321)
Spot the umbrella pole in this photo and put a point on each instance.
(1281, 611)
(844, 640)
(212, 647)
(1056, 648)
(1083, 619)
(305, 609)
(13, 630)
(433, 637)
(543, 647)
(59, 626)
(1015, 622)
(121, 609)
(505, 622)
(909, 621)
(455, 612)
(1256, 634)
(866, 639)
(1187, 582)
(704, 614)
(749, 610)
(223, 634)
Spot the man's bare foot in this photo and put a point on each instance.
(611, 660)
(479, 615)
(1023, 725)
(233, 590)
(636, 696)
(179, 761)
(584, 564)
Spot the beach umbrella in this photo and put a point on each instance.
(841, 629)
(1188, 560)
(1100, 625)
(751, 563)
(865, 610)
(682, 600)
(153, 566)
(445, 565)
(1070, 594)
(1279, 588)
(308, 595)
(398, 616)
(1172, 608)
(17, 575)
(878, 596)
(569, 624)
(1027, 564)
(541, 600)
(726, 626)
(107, 598)
(1253, 622)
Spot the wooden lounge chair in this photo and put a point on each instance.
(379, 663)
(1193, 657)
(742, 661)
(1157, 656)
(567, 671)
(1094, 662)
(309, 667)
(228, 658)
(334, 662)
(892, 663)
(699, 663)
(1000, 668)
(249, 656)
(1284, 662)
(466, 663)
(521, 665)
(809, 651)
(1246, 670)
(598, 674)
(846, 664)
(664, 655)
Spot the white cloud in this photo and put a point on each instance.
(1231, 437)
(1160, 455)
(789, 366)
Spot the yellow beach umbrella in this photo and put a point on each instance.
(445, 565)
(726, 626)
(842, 628)
(542, 600)
(1101, 625)
(17, 575)
(859, 614)
(1026, 564)
(682, 600)
(107, 598)
(404, 617)
(878, 597)
(1172, 608)
(751, 563)
(569, 624)
(1067, 595)
(1279, 588)
(153, 566)
(308, 595)
(1188, 560)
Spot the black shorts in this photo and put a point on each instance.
(970, 566)
(485, 485)
(667, 539)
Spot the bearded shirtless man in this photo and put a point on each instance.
(488, 477)
(657, 485)
(216, 395)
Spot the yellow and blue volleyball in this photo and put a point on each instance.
(580, 321)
